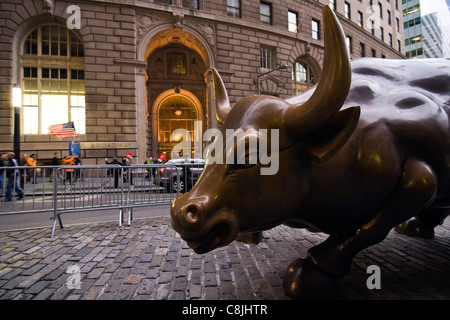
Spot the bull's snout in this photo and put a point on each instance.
(187, 214)
(192, 214)
(202, 229)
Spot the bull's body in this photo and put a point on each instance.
(365, 151)
(405, 106)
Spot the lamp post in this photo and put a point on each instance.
(258, 78)
(17, 104)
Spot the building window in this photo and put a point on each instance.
(163, 1)
(362, 49)
(192, 4)
(302, 76)
(372, 26)
(265, 13)
(52, 64)
(411, 10)
(302, 73)
(374, 53)
(347, 10)
(391, 40)
(267, 57)
(315, 27)
(293, 21)
(360, 19)
(332, 4)
(348, 41)
(176, 63)
(411, 23)
(382, 33)
(234, 8)
(413, 40)
(380, 7)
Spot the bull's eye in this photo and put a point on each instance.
(244, 163)
(242, 152)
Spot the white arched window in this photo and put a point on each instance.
(303, 77)
(52, 70)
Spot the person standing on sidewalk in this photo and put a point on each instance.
(55, 162)
(128, 162)
(69, 171)
(3, 157)
(150, 171)
(116, 171)
(13, 181)
(31, 173)
(78, 162)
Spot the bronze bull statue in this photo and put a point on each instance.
(363, 152)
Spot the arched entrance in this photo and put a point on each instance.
(177, 93)
(171, 111)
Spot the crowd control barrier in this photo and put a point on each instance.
(65, 189)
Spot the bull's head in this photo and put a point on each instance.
(233, 198)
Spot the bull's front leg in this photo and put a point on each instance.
(317, 275)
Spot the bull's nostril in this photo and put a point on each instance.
(191, 214)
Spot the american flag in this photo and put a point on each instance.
(63, 130)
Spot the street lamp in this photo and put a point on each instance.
(258, 78)
(17, 104)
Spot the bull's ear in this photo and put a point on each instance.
(331, 137)
(222, 102)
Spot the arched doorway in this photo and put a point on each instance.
(172, 111)
(177, 92)
(199, 44)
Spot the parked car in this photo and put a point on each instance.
(190, 171)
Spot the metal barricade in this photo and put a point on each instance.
(100, 187)
(26, 189)
(65, 189)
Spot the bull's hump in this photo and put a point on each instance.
(406, 96)
(400, 89)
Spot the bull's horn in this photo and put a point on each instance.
(222, 102)
(333, 87)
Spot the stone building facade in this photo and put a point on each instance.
(130, 72)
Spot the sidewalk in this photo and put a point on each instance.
(148, 260)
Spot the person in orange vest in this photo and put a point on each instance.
(31, 174)
(69, 171)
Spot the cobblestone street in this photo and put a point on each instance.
(148, 260)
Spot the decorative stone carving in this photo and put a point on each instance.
(48, 7)
(145, 23)
(208, 32)
(178, 17)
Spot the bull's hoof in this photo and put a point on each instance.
(250, 238)
(415, 228)
(304, 280)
